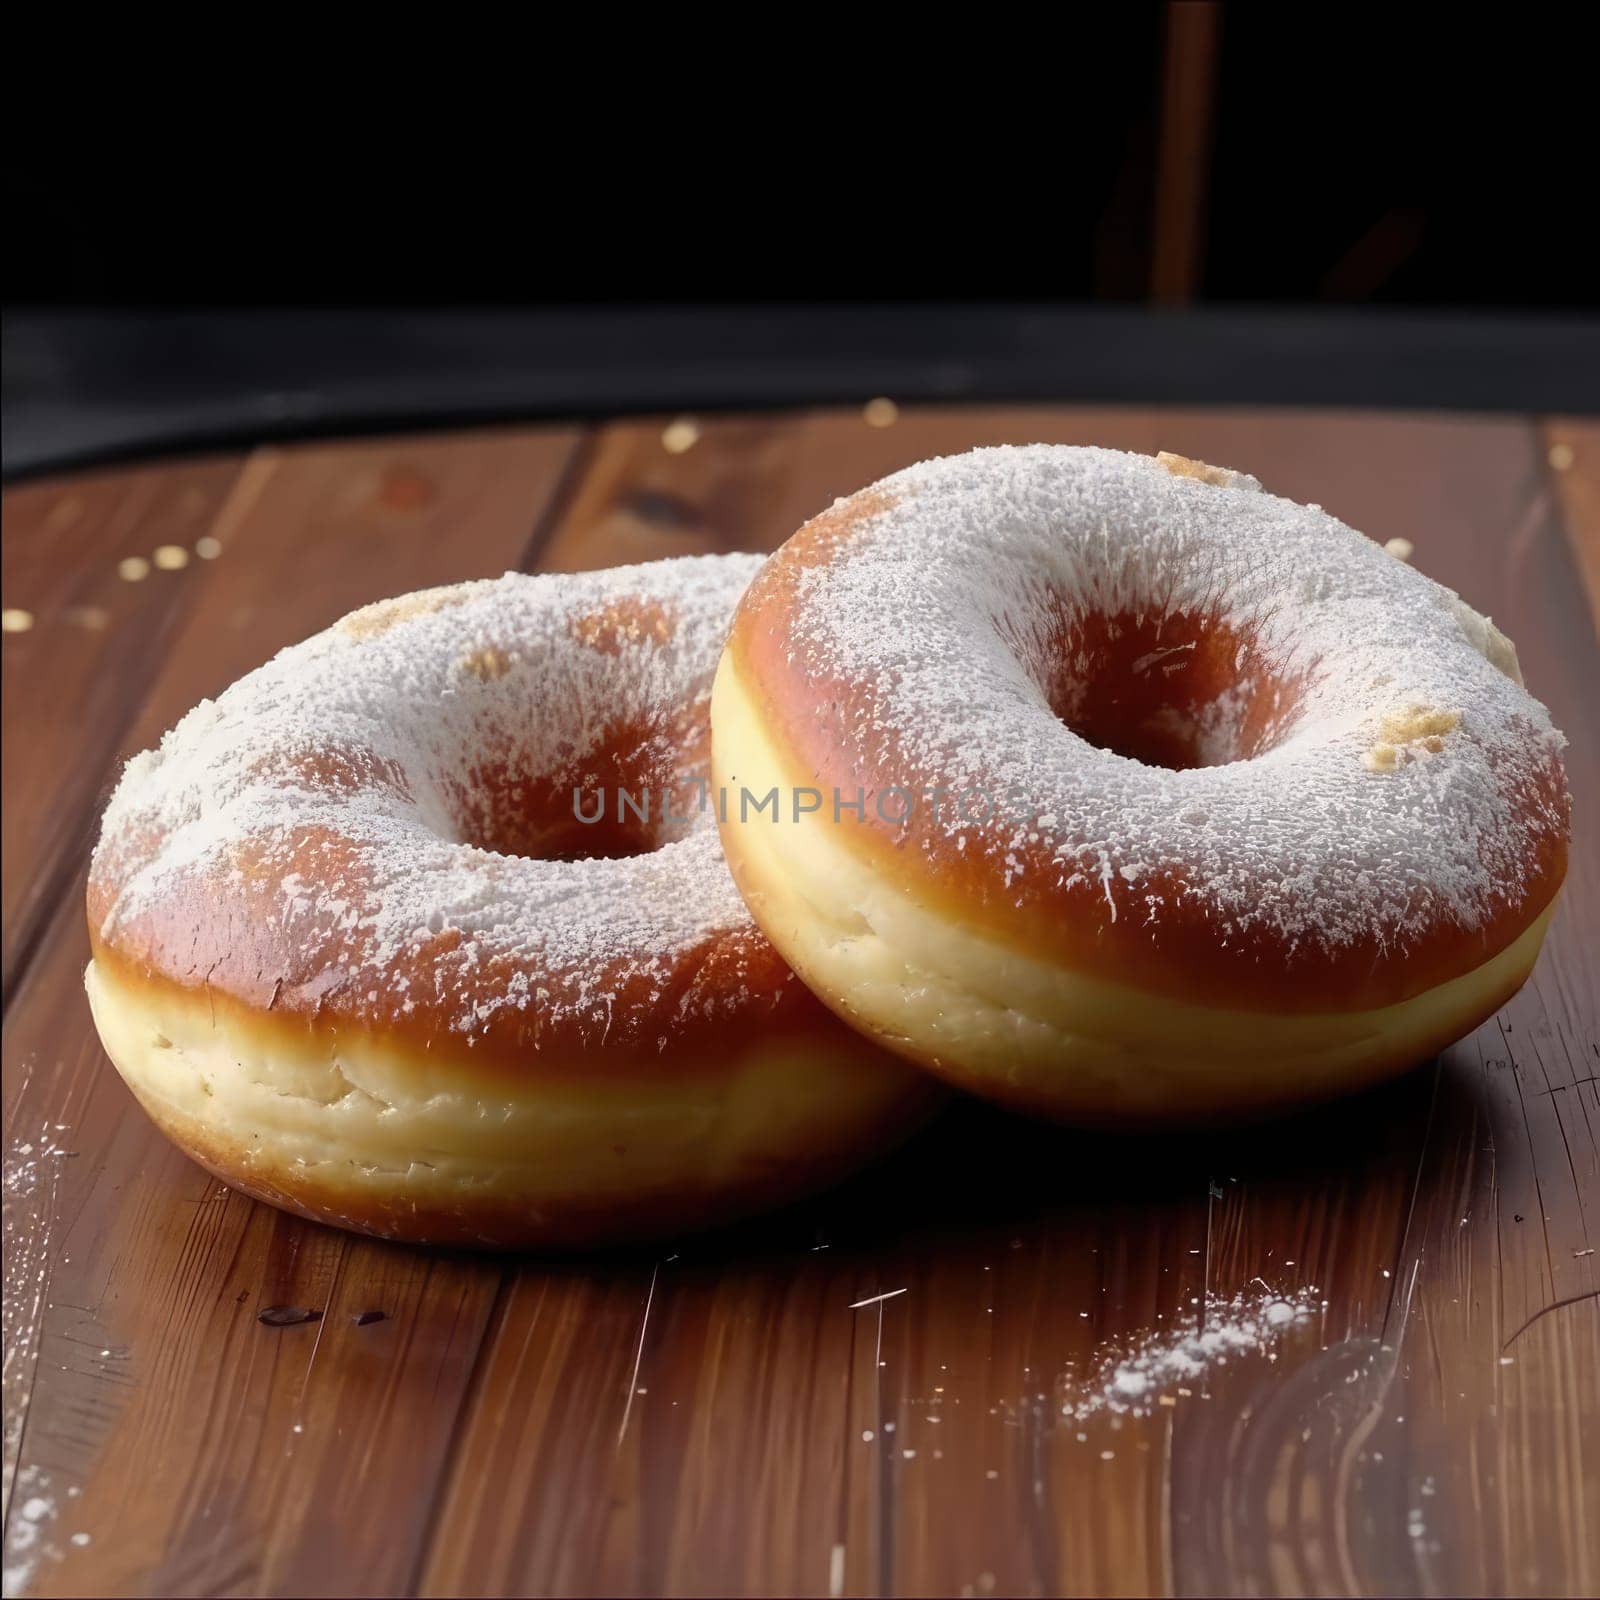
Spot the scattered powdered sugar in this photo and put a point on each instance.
(29, 1206)
(28, 1530)
(33, 1532)
(28, 1210)
(322, 796)
(1134, 1379)
(951, 568)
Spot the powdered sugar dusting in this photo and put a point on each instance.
(954, 569)
(322, 798)
(1133, 1379)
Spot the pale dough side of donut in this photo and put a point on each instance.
(1031, 1031)
(351, 1132)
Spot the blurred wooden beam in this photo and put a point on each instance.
(1183, 171)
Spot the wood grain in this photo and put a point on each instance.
(74, 680)
(743, 1413)
(210, 1454)
(1189, 71)
(1471, 495)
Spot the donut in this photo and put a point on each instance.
(1120, 789)
(420, 929)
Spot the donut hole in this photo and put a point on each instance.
(1178, 691)
(634, 792)
(603, 840)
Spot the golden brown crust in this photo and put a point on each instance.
(262, 970)
(624, 622)
(224, 924)
(1016, 1024)
(370, 965)
(833, 737)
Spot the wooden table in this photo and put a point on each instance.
(716, 1418)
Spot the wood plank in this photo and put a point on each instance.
(159, 1439)
(92, 643)
(1572, 449)
(1190, 69)
(724, 1416)
(777, 1441)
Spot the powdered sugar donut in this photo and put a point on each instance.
(358, 950)
(1120, 788)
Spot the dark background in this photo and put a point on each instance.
(1230, 202)
(1405, 156)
